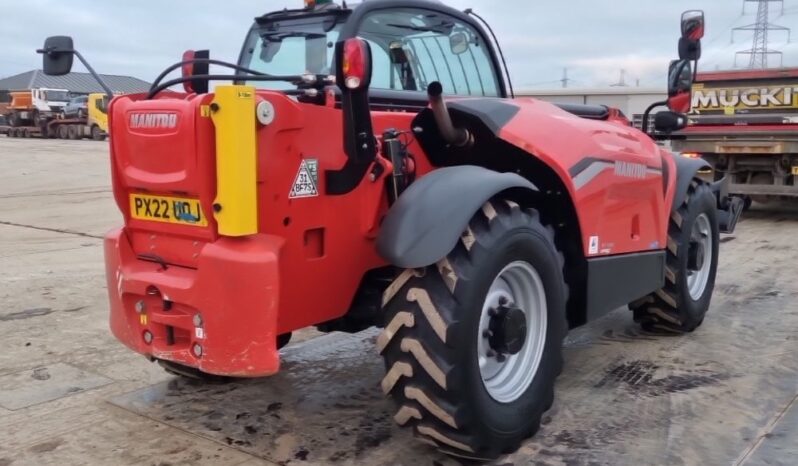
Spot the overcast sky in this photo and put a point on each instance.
(594, 39)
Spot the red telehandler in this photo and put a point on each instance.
(326, 188)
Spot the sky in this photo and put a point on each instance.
(593, 39)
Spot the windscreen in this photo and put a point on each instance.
(412, 47)
(292, 46)
(56, 96)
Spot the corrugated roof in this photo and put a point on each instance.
(78, 83)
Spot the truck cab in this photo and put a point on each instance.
(36, 106)
(50, 101)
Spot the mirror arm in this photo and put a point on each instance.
(695, 72)
(647, 114)
(96, 76)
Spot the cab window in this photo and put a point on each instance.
(414, 47)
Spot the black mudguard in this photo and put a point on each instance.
(428, 219)
(729, 207)
(686, 170)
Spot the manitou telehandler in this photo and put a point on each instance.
(325, 187)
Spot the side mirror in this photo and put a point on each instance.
(458, 42)
(196, 85)
(668, 122)
(680, 77)
(680, 85)
(57, 55)
(693, 27)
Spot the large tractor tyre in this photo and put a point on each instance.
(473, 344)
(63, 132)
(72, 131)
(691, 266)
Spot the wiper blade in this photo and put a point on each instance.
(280, 36)
(439, 28)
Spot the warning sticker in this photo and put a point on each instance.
(594, 245)
(307, 180)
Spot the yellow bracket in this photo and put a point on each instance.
(236, 204)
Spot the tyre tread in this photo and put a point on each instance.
(659, 312)
(417, 356)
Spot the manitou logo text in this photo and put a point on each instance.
(630, 170)
(757, 97)
(153, 120)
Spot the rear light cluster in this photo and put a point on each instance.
(190, 69)
(691, 155)
(356, 64)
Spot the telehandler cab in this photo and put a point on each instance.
(325, 187)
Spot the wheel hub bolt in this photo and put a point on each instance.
(695, 255)
(508, 330)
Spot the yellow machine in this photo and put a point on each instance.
(98, 112)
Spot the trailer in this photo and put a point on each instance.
(745, 124)
(94, 126)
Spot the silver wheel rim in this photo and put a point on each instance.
(520, 284)
(697, 279)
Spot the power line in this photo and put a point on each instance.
(759, 51)
(621, 81)
(565, 80)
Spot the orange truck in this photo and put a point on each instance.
(36, 107)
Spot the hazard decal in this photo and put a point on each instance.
(307, 180)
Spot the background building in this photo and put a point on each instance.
(75, 83)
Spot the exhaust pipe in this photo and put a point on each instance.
(458, 137)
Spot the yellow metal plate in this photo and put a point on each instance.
(166, 209)
(236, 161)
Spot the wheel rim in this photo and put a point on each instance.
(507, 378)
(701, 247)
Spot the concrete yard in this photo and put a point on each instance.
(70, 394)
